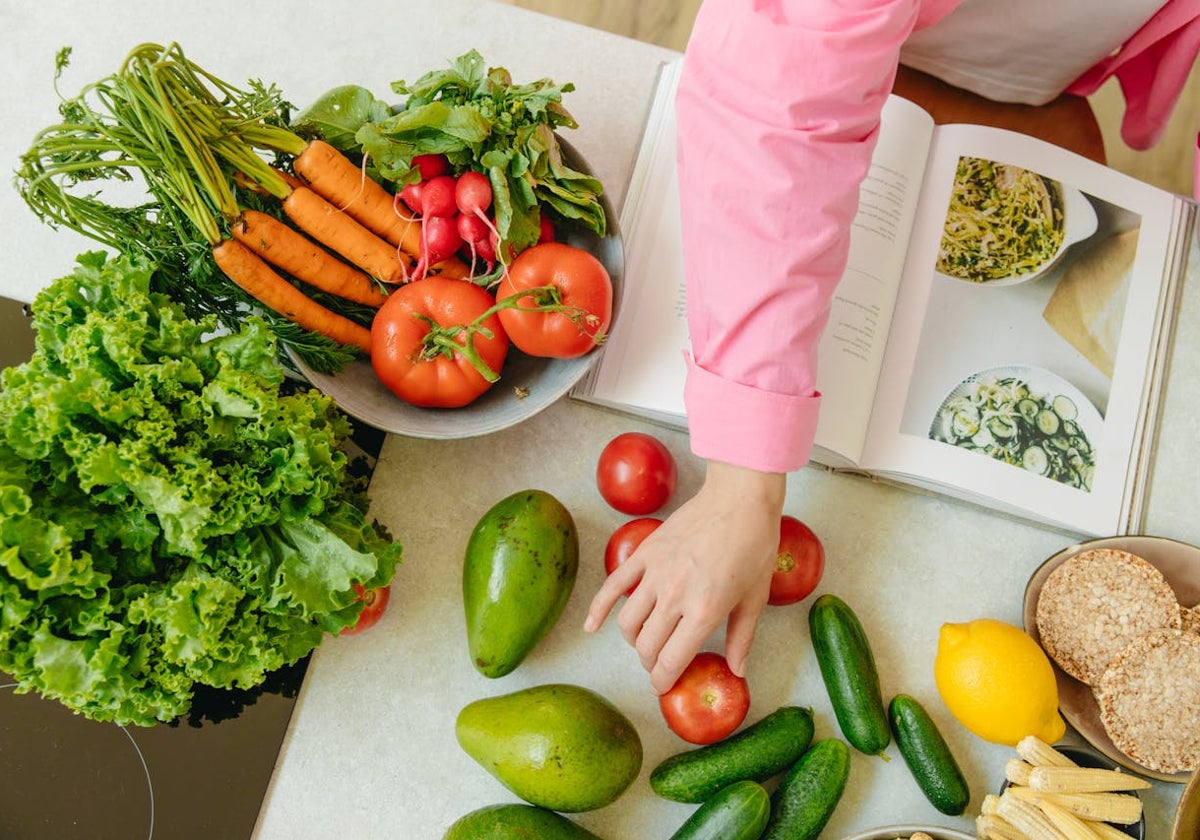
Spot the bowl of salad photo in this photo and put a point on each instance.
(1025, 416)
(1007, 225)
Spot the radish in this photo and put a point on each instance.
(473, 193)
(437, 196)
(545, 229)
(471, 228)
(439, 241)
(410, 194)
(431, 165)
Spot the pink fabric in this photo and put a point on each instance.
(1151, 68)
(778, 111)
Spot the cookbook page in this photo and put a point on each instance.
(860, 314)
(1027, 323)
(642, 366)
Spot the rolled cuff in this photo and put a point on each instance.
(746, 426)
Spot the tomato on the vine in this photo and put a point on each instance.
(636, 473)
(708, 701)
(799, 563)
(625, 540)
(375, 603)
(574, 296)
(427, 348)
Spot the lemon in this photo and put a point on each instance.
(997, 681)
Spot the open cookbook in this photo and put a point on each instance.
(1000, 334)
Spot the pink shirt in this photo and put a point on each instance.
(778, 111)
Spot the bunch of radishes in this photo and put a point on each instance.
(454, 215)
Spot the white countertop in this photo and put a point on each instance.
(371, 751)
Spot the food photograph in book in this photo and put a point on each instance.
(1023, 320)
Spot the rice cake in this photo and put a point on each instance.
(1189, 619)
(1095, 603)
(1149, 698)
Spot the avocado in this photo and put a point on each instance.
(520, 566)
(513, 821)
(559, 746)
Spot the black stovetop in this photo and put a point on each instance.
(204, 776)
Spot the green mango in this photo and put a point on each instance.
(518, 573)
(558, 746)
(516, 822)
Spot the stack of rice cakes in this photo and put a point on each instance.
(1110, 620)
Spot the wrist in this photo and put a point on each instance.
(748, 485)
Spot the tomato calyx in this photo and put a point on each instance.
(443, 341)
(547, 299)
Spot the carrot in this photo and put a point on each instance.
(334, 177)
(304, 259)
(342, 234)
(251, 273)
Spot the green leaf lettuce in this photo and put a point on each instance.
(169, 515)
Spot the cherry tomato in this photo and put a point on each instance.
(799, 563)
(401, 332)
(708, 701)
(375, 603)
(573, 325)
(636, 473)
(625, 540)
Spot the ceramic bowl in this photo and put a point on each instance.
(527, 384)
(1186, 825)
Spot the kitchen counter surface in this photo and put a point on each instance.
(371, 751)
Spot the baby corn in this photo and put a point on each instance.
(1070, 825)
(1083, 780)
(1101, 806)
(1028, 818)
(1040, 754)
(992, 827)
(1050, 797)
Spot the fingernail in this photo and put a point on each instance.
(589, 624)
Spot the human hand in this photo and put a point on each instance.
(709, 562)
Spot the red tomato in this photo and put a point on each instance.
(799, 563)
(708, 701)
(623, 542)
(419, 370)
(636, 473)
(375, 603)
(573, 325)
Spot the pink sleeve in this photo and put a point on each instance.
(778, 111)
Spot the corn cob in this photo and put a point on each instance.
(1040, 754)
(1070, 825)
(1107, 832)
(1017, 771)
(1083, 780)
(1103, 806)
(1028, 818)
(992, 827)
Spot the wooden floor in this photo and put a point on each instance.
(668, 22)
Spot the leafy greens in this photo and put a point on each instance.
(478, 119)
(169, 517)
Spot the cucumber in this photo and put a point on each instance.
(516, 822)
(757, 753)
(809, 792)
(736, 812)
(928, 756)
(848, 669)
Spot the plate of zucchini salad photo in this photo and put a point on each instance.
(1025, 416)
